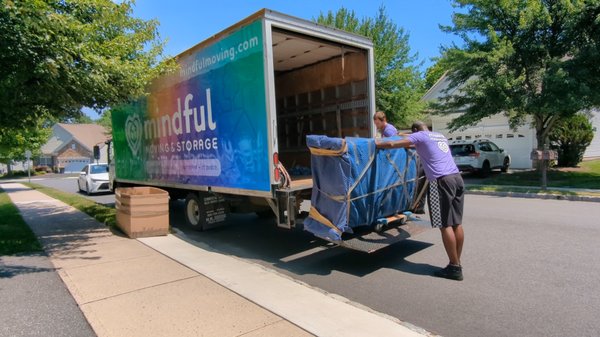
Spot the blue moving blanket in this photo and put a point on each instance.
(354, 184)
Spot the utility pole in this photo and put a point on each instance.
(28, 157)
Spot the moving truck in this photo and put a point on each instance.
(227, 131)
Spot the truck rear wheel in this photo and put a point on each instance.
(192, 211)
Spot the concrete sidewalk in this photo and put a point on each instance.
(126, 288)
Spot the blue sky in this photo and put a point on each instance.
(184, 23)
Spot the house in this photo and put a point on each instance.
(593, 151)
(71, 147)
(516, 142)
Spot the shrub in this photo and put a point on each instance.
(570, 137)
(42, 168)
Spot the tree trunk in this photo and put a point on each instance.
(545, 167)
(541, 134)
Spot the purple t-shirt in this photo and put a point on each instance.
(389, 131)
(435, 154)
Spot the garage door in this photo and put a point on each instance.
(517, 144)
(75, 165)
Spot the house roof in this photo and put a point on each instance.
(438, 90)
(87, 135)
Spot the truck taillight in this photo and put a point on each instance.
(275, 165)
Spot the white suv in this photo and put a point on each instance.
(479, 155)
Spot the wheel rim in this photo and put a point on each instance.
(193, 212)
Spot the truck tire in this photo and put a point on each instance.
(192, 211)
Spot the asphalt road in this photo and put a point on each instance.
(531, 267)
(35, 301)
(68, 183)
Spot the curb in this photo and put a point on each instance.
(180, 235)
(536, 196)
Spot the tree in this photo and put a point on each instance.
(106, 120)
(79, 119)
(58, 56)
(436, 71)
(14, 142)
(534, 60)
(570, 137)
(398, 83)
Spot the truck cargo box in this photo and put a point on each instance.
(231, 122)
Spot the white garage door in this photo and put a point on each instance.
(593, 151)
(518, 145)
(75, 165)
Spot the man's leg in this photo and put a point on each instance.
(450, 244)
(459, 236)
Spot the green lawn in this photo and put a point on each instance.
(103, 214)
(591, 166)
(587, 176)
(15, 235)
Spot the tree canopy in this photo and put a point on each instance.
(14, 142)
(533, 60)
(106, 120)
(59, 56)
(436, 71)
(398, 83)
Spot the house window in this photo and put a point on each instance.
(499, 136)
(73, 146)
(488, 136)
(477, 136)
(510, 135)
(521, 136)
(467, 137)
(459, 138)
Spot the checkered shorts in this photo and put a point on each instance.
(446, 200)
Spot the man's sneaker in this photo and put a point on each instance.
(450, 272)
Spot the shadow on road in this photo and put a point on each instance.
(18, 265)
(296, 251)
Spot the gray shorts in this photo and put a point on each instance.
(446, 200)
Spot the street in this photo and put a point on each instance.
(68, 183)
(531, 267)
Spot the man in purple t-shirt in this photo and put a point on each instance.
(446, 190)
(386, 129)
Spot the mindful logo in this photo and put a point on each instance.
(133, 132)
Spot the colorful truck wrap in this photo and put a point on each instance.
(204, 125)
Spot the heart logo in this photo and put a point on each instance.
(133, 133)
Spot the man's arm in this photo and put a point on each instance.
(393, 144)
